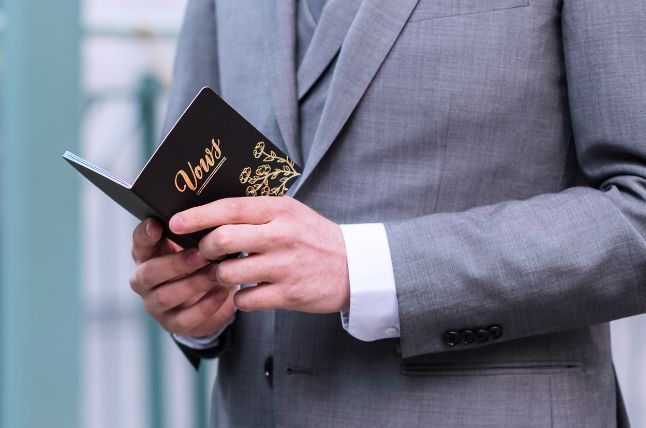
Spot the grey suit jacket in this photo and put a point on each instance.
(503, 144)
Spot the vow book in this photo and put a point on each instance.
(211, 153)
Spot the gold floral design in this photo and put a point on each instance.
(263, 169)
(245, 174)
(271, 177)
(259, 150)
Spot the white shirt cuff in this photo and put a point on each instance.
(374, 313)
(202, 342)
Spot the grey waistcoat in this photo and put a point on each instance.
(311, 106)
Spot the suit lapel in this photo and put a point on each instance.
(326, 42)
(371, 36)
(283, 89)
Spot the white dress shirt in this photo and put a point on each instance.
(373, 311)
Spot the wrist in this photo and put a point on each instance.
(344, 279)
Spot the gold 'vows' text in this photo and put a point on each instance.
(191, 179)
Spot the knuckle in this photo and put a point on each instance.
(223, 237)
(279, 234)
(161, 299)
(235, 210)
(181, 323)
(224, 274)
(287, 239)
(287, 205)
(134, 282)
(273, 234)
(266, 208)
(146, 274)
(292, 295)
(205, 246)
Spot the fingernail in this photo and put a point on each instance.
(148, 229)
(176, 223)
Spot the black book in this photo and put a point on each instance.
(211, 153)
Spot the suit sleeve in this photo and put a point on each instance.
(556, 261)
(196, 66)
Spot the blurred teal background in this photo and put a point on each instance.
(76, 348)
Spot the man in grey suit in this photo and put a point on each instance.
(486, 161)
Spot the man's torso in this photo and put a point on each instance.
(468, 107)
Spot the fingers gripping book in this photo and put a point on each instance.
(211, 153)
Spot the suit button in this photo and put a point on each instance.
(269, 369)
(495, 331)
(467, 336)
(451, 338)
(482, 335)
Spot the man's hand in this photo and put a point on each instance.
(296, 256)
(174, 286)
